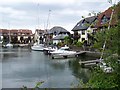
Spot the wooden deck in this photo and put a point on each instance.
(60, 56)
(89, 62)
(77, 54)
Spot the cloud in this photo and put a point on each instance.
(34, 13)
(6, 2)
(11, 12)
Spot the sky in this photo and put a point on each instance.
(45, 14)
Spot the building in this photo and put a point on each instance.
(16, 36)
(39, 36)
(59, 38)
(84, 28)
(57, 34)
(1, 35)
(25, 36)
(104, 19)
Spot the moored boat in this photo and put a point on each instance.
(38, 47)
(63, 52)
(9, 45)
(47, 50)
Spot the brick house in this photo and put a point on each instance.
(16, 36)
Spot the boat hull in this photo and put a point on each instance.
(37, 47)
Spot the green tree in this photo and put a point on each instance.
(98, 78)
(68, 40)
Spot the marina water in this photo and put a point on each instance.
(22, 66)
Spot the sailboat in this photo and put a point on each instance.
(37, 45)
(9, 44)
(103, 65)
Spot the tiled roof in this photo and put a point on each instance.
(25, 31)
(57, 30)
(4, 30)
(16, 31)
(107, 14)
(13, 31)
(84, 23)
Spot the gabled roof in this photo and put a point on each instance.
(57, 30)
(84, 23)
(107, 13)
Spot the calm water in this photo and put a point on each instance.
(21, 66)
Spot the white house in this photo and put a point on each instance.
(84, 28)
(58, 33)
(39, 36)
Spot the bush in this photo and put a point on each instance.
(79, 44)
(75, 42)
(60, 44)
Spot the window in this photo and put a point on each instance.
(83, 39)
(83, 32)
(78, 24)
(27, 33)
(15, 33)
(104, 20)
(82, 24)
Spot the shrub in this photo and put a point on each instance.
(79, 44)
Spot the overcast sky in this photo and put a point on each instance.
(32, 14)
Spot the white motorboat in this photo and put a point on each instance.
(38, 47)
(63, 52)
(9, 45)
(47, 50)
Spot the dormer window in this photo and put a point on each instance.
(55, 33)
(78, 24)
(104, 20)
(83, 22)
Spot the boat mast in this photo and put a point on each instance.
(48, 19)
(47, 38)
(104, 45)
(9, 32)
(38, 22)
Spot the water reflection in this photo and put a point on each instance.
(78, 71)
(25, 67)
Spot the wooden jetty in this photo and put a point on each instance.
(88, 53)
(77, 54)
(66, 55)
(90, 62)
(60, 56)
